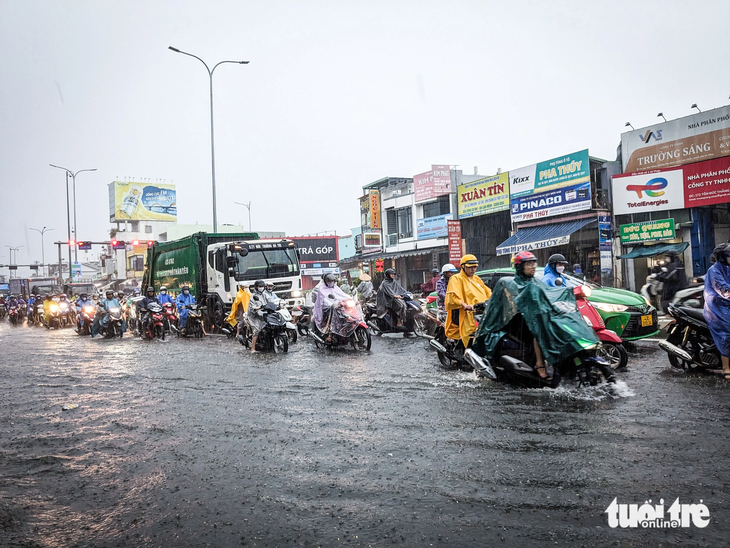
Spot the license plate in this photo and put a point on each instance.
(647, 321)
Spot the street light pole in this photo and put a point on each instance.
(11, 248)
(212, 145)
(43, 247)
(68, 222)
(248, 206)
(76, 229)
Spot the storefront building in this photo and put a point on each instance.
(673, 194)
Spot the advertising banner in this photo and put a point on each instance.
(553, 202)
(567, 170)
(431, 184)
(142, 202)
(483, 196)
(690, 139)
(374, 204)
(433, 227)
(371, 242)
(650, 231)
(316, 249)
(604, 233)
(693, 185)
(454, 228)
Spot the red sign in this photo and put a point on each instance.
(454, 242)
(379, 265)
(707, 183)
(432, 183)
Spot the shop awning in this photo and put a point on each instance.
(657, 249)
(540, 237)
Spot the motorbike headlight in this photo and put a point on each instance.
(53, 307)
(609, 307)
(88, 309)
(296, 294)
(114, 310)
(350, 303)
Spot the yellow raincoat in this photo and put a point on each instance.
(463, 289)
(242, 299)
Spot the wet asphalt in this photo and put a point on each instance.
(197, 443)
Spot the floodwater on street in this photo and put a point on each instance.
(197, 443)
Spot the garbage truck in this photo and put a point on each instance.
(213, 265)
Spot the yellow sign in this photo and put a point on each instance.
(375, 209)
(484, 196)
(131, 201)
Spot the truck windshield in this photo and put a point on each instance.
(270, 263)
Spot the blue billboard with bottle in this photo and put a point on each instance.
(138, 201)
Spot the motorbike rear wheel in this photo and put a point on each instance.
(614, 354)
(361, 339)
(292, 334)
(281, 343)
(419, 326)
(675, 338)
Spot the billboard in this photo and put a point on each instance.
(316, 249)
(370, 210)
(650, 231)
(432, 227)
(553, 187)
(431, 184)
(694, 138)
(483, 196)
(454, 242)
(693, 185)
(131, 201)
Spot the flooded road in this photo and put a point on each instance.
(196, 443)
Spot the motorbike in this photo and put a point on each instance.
(273, 335)
(85, 319)
(130, 313)
(652, 291)
(451, 352)
(112, 323)
(302, 315)
(14, 315)
(54, 316)
(155, 325)
(611, 349)
(66, 316)
(3, 312)
(194, 325)
(689, 343)
(348, 327)
(37, 314)
(291, 329)
(414, 322)
(170, 319)
(692, 296)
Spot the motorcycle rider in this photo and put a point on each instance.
(29, 306)
(102, 315)
(316, 289)
(525, 267)
(463, 292)
(183, 300)
(673, 277)
(253, 314)
(238, 309)
(47, 308)
(142, 308)
(365, 288)
(325, 306)
(553, 273)
(717, 303)
(63, 299)
(447, 271)
(390, 296)
(163, 297)
(430, 286)
(81, 302)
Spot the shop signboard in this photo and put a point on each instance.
(374, 199)
(433, 227)
(316, 249)
(454, 228)
(566, 170)
(142, 202)
(483, 196)
(604, 233)
(379, 265)
(431, 184)
(693, 185)
(650, 231)
(553, 202)
(371, 242)
(699, 137)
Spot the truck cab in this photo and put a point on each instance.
(273, 261)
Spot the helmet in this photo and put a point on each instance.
(183, 288)
(720, 254)
(83, 296)
(150, 288)
(109, 292)
(557, 258)
(448, 267)
(329, 279)
(524, 257)
(259, 285)
(136, 292)
(162, 288)
(389, 271)
(435, 271)
(469, 260)
(63, 296)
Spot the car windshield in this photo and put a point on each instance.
(270, 263)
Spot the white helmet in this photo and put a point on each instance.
(448, 267)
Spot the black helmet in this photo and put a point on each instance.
(259, 285)
(150, 288)
(183, 288)
(557, 258)
(389, 271)
(109, 292)
(720, 254)
(83, 296)
(329, 277)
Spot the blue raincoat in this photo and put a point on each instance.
(550, 275)
(182, 301)
(165, 298)
(717, 305)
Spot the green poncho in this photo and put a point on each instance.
(549, 312)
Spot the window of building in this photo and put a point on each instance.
(440, 207)
(405, 222)
(148, 229)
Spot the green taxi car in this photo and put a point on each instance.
(624, 312)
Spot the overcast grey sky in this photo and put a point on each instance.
(337, 94)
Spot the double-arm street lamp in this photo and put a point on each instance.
(68, 216)
(248, 206)
(212, 147)
(11, 248)
(43, 247)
